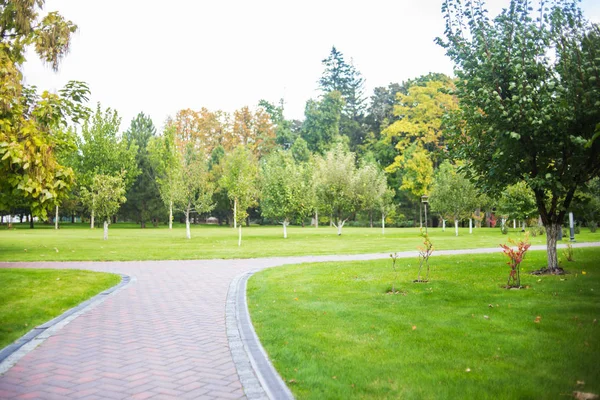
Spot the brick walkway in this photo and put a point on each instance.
(161, 337)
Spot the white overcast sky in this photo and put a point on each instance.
(162, 56)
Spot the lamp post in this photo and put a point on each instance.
(425, 200)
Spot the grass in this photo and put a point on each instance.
(30, 297)
(333, 332)
(129, 242)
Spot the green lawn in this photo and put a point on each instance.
(30, 297)
(128, 242)
(332, 331)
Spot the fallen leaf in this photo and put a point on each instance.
(414, 327)
(595, 321)
(580, 383)
(25, 249)
(490, 306)
(334, 377)
(296, 298)
(583, 272)
(539, 280)
(537, 319)
(56, 249)
(584, 396)
(292, 381)
(352, 385)
(486, 317)
(58, 279)
(468, 370)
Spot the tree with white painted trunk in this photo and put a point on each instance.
(371, 185)
(165, 160)
(517, 202)
(283, 188)
(528, 86)
(105, 196)
(386, 206)
(193, 190)
(452, 195)
(240, 180)
(336, 178)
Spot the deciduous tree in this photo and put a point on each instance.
(529, 89)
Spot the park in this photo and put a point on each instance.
(434, 239)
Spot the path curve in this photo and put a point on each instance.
(163, 336)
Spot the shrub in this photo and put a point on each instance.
(568, 253)
(424, 254)
(515, 256)
(593, 226)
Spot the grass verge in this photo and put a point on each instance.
(332, 331)
(129, 242)
(30, 297)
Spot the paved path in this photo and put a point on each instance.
(161, 337)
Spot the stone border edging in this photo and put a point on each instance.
(12, 353)
(259, 378)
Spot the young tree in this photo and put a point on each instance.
(528, 88)
(105, 196)
(239, 179)
(517, 201)
(386, 206)
(282, 187)
(336, 183)
(166, 163)
(194, 189)
(102, 151)
(371, 185)
(452, 195)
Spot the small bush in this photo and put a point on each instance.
(515, 257)
(577, 229)
(504, 229)
(568, 253)
(593, 226)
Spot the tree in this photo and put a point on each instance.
(517, 201)
(452, 195)
(371, 185)
(239, 179)
(102, 151)
(194, 189)
(32, 125)
(105, 196)
(336, 183)
(282, 188)
(386, 206)
(143, 197)
(528, 88)
(165, 161)
(322, 121)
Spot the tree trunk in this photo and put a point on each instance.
(339, 226)
(443, 225)
(56, 219)
(285, 224)
(72, 218)
(171, 215)
(188, 234)
(371, 217)
(383, 224)
(514, 224)
(316, 218)
(456, 227)
(234, 213)
(92, 220)
(420, 215)
(106, 229)
(239, 235)
(552, 231)
(30, 221)
(470, 225)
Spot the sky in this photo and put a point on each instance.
(159, 57)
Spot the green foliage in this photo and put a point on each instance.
(452, 195)
(105, 196)
(529, 94)
(568, 253)
(321, 125)
(240, 180)
(517, 201)
(103, 151)
(143, 197)
(336, 178)
(285, 188)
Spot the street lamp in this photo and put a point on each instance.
(425, 201)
